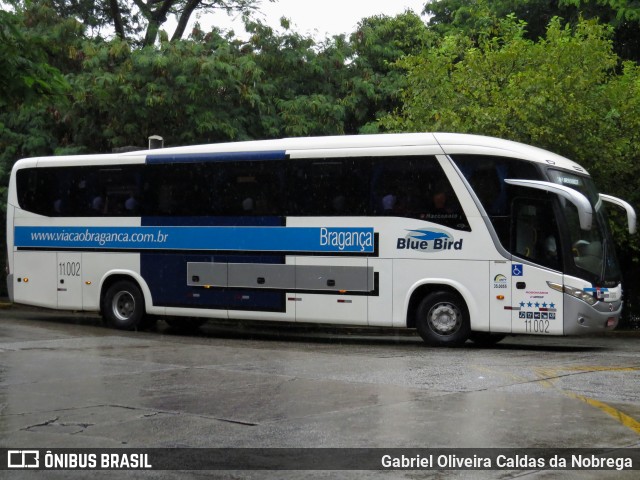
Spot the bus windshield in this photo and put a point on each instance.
(591, 250)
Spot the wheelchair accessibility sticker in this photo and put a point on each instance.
(517, 269)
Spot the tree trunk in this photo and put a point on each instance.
(184, 19)
(114, 8)
(156, 19)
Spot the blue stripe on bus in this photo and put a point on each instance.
(197, 238)
(215, 157)
(166, 273)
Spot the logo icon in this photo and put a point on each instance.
(517, 269)
(23, 459)
(432, 240)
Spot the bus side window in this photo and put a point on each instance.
(415, 187)
(27, 189)
(328, 187)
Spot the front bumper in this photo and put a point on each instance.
(581, 318)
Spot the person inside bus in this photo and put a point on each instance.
(388, 204)
(131, 203)
(248, 205)
(338, 203)
(98, 204)
(441, 207)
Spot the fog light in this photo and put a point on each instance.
(581, 320)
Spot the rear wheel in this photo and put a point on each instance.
(123, 305)
(443, 319)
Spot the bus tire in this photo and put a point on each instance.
(123, 306)
(443, 320)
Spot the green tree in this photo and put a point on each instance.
(374, 82)
(301, 82)
(624, 9)
(188, 92)
(623, 15)
(208, 88)
(25, 72)
(30, 88)
(141, 20)
(475, 17)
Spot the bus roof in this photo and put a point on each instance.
(449, 143)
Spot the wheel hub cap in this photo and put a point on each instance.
(123, 305)
(444, 319)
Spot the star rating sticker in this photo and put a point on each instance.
(537, 305)
(521, 304)
(544, 305)
(529, 304)
(552, 305)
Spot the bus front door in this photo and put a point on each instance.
(537, 307)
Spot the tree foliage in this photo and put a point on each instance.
(25, 70)
(474, 17)
(30, 87)
(374, 80)
(140, 21)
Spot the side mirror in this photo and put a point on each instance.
(631, 213)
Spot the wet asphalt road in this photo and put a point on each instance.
(67, 381)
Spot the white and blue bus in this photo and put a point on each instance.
(459, 236)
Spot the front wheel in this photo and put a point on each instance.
(443, 320)
(123, 306)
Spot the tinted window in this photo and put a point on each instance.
(326, 187)
(215, 189)
(81, 191)
(414, 187)
(486, 175)
(534, 236)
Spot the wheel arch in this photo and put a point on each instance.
(425, 287)
(114, 276)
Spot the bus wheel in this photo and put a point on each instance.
(443, 320)
(485, 339)
(124, 305)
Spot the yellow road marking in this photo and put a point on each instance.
(548, 376)
(623, 418)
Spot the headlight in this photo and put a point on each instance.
(574, 292)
